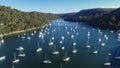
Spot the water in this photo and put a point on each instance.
(82, 59)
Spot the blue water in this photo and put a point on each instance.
(82, 59)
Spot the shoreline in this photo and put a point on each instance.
(22, 31)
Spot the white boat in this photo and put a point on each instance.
(18, 35)
(2, 57)
(28, 38)
(103, 44)
(99, 40)
(74, 43)
(62, 37)
(72, 36)
(61, 42)
(112, 31)
(50, 43)
(32, 34)
(106, 37)
(66, 58)
(77, 33)
(20, 48)
(62, 48)
(118, 56)
(46, 61)
(15, 60)
(53, 38)
(2, 41)
(35, 32)
(55, 52)
(118, 36)
(88, 34)
(95, 51)
(107, 63)
(39, 49)
(24, 34)
(109, 54)
(74, 50)
(23, 37)
(21, 55)
(88, 45)
(68, 33)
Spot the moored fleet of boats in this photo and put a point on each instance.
(66, 57)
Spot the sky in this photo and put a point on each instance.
(59, 6)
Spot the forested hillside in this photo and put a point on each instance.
(104, 18)
(15, 20)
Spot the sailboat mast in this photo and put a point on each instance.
(118, 52)
(73, 47)
(66, 54)
(54, 48)
(107, 58)
(38, 44)
(61, 65)
(45, 56)
(14, 56)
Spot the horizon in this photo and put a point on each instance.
(57, 7)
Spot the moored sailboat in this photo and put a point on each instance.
(46, 61)
(15, 60)
(66, 58)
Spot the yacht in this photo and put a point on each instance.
(109, 54)
(2, 41)
(28, 38)
(53, 38)
(2, 57)
(68, 33)
(107, 63)
(62, 37)
(74, 50)
(21, 55)
(118, 55)
(46, 61)
(39, 49)
(118, 36)
(55, 51)
(88, 34)
(23, 37)
(66, 58)
(95, 51)
(15, 60)
(74, 44)
(32, 34)
(72, 36)
(103, 44)
(50, 43)
(88, 45)
(62, 48)
(20, 48)
(61, 42)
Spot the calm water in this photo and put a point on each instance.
(82, 59)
